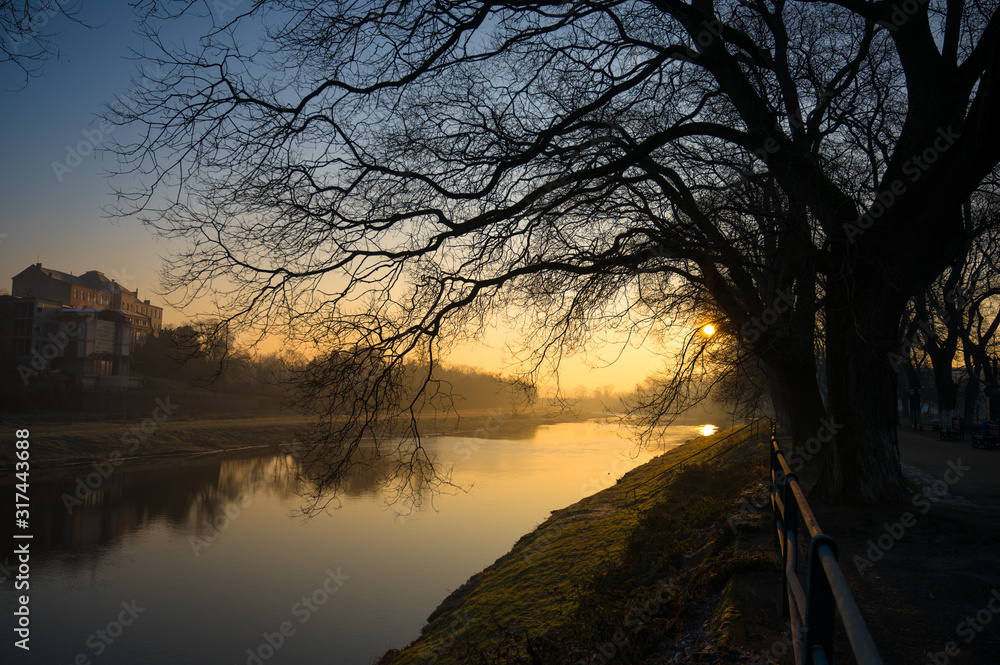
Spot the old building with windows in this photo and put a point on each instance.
(91, 290)
(86, 326)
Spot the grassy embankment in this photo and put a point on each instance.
(632, 574)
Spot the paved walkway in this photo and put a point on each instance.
(925, 452)
(921, 569)
(927, 459)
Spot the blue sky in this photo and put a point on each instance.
(56, 215)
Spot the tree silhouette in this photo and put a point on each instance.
(381, 179)
(29, 36)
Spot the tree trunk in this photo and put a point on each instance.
(861, 455)
(970, 399)
(914, 389)
(800, 410)
(947, 390)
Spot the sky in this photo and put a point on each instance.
(54, 193)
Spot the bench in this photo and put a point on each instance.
(956, 431)
(990, 440)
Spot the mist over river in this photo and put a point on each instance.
(203, 559)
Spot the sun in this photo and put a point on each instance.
(709, 330)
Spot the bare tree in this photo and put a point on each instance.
(955, 313)
(980, 306)
(30, 32)
(379, 179)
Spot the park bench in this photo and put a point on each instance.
(956, 431)
(990, 440)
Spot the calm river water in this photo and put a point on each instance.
(137, 575)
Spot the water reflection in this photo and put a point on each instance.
(83, 508)
(406, 472)
(209, 544)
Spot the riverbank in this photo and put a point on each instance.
(645, 571)
(165, 431)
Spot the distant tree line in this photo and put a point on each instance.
(200, 355)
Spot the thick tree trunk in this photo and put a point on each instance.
(797, 390)
(861, 457)
(947, 390)
(799, 404)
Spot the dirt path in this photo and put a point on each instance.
(927, 574)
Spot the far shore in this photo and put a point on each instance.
(65, 443)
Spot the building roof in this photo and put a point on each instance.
(93, 279)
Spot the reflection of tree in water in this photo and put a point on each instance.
(74, 518)
(405, 481)
(407, 472)
(240, 481)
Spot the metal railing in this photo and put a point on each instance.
(812, 611)
(749, 431)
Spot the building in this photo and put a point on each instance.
(91, 290)
(85, 326)
(25, 324)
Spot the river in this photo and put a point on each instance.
(205, 560)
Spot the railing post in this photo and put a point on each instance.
(775, 471)
(791, 538)
(821, 607)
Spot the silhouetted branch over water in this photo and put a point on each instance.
(377, 182)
